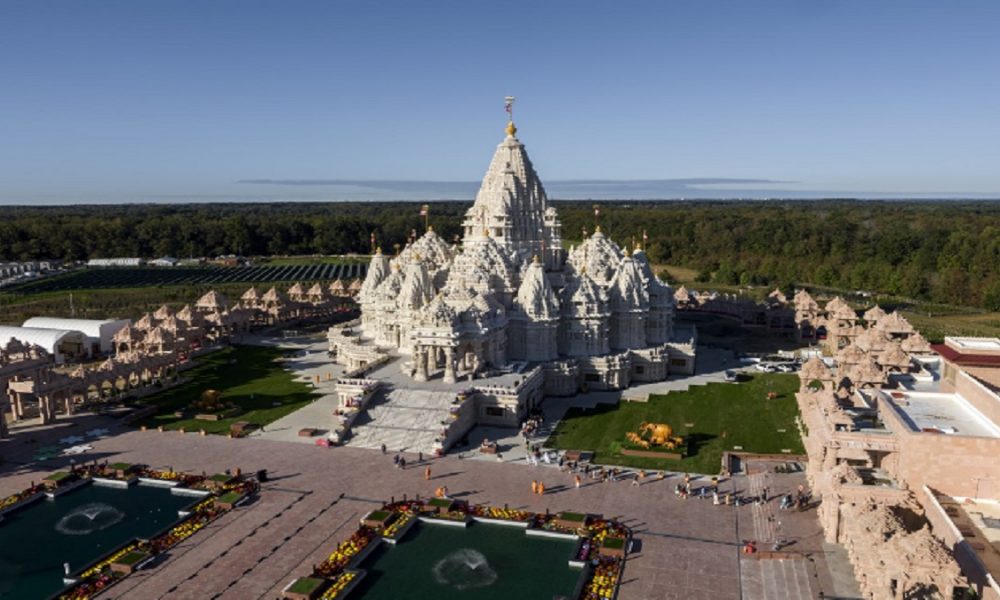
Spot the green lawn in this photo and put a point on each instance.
(721, 415)
(239, 372)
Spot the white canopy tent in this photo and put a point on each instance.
(63, 344)
(100, 333)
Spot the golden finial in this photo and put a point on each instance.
(508, 105)
(430, 228)
(597, 229)
(535, 259)
(378, 250)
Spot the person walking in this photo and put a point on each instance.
(534, 486)
(541, 489)
(577, 480)
(427, 473)
(383, 448)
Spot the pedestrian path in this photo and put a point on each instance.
(765, 526)
(775, 579)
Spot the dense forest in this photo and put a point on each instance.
(946, 252)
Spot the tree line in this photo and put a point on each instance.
(946, 252)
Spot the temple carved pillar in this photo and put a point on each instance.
(449, 365)
(18, 405)
(420, 360)
(68, 404)
(4, 403)
(45, 409)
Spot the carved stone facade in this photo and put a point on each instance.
(596, 316)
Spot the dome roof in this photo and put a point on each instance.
(439, 313)
(378, 270)
(584, 298)
(804, 301)
(417, 289)
(388, 289)
(627, 290)
(598, 255)
(429, 248)
(482, 266)
(535, 296)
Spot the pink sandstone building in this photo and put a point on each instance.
(903, 439)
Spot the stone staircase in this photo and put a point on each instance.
(403, 419)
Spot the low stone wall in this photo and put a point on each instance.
(652, 454)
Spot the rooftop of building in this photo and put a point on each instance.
(942, 412)
(976, 351)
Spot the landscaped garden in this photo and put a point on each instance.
(710, 419)
(107, 531)
(252, 386)
(447, 548)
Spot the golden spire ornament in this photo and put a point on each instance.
(508, 105)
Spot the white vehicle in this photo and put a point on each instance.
(764, 367)
(731, 375)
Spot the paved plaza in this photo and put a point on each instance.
(684, 548)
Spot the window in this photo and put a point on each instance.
(494, 411)
(592, 377)
(639, 369)
(678, 362)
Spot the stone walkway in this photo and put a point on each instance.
(775, 579)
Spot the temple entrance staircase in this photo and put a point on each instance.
(402, 419)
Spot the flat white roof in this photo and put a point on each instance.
(947, 413)
(974, 343)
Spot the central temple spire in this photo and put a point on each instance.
(512, 207)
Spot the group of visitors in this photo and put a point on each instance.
(800, 501)
(533, 423)
(537, 487)
(400, 461)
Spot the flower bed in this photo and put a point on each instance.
(603, 580)
(347, 550)
(341, 585)
(398, 527)
(16, 500)
(594, 533)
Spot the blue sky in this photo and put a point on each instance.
(172, 101)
